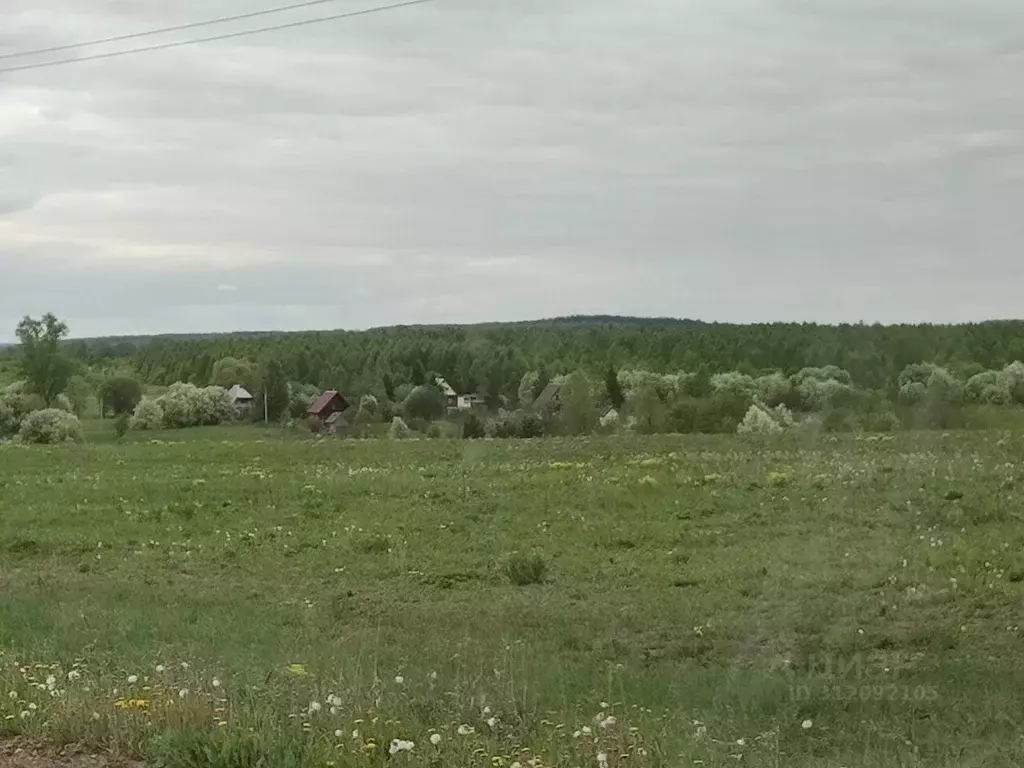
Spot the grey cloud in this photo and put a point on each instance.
(740, 160)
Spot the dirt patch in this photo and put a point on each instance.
(17, 757)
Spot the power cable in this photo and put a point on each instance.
(162, 30)
(214, 38)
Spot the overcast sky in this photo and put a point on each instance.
(472, 160)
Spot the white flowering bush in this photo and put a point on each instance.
(398, 430)
(49, 426)
(820, 388)
(527, 385)
(147, 415)
(920, 381)
(734, 383)
(186, 405)
(997, 387)
(667, 385)
(759, 421)
(63, 402)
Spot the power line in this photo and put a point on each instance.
(162, 30)
(214, 38)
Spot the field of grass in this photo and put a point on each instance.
(218, 596)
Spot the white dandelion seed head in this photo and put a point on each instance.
(74, 674)
(356, 736)
(807, 724)
(587, 730)
(399, 679)
(315, 706)
(465, 730)
(159, 668)
(339, 734)
(13, 695)
(216, 683)
(492, 722)
(435, 739)
(133, 679)
(609, 721)
(51, 681)
(602, 758)
(183, 693)
(400, 745)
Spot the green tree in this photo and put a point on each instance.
(119, 395)
(578, 414)
(389, 387)
(46, 370)
(611, 383)
(649, 411)
(424, 402)
(229, 371)
(273, 395)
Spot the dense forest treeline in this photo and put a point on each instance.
(492, 358)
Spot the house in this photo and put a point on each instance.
(550, 397)
(325, 406)
(469, 402)
(450, 398)
(240, 396)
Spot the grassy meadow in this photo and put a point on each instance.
(224, 596)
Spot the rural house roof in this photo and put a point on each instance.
(445, 387)
(322, 402)
(547, 395)
(238, 392)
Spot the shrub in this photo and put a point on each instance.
(186, 405)
(121, 424)
(120, 395)
(472, 427)
(398, 430)
(521, 424)
(758, 421)
(734, 384)
(49, 426)
(149, 414)
(523, 569)
(10, 422)
(424, 402)
(300, 397)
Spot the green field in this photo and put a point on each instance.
(706, 601)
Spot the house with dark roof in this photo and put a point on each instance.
(550, 397)
(328, 404)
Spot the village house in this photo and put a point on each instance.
(550, 398)
(240, 396)
(326, 406)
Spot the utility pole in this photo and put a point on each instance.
(266, 412)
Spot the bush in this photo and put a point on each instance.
(398, 430)
(121, 424)
(49, 426)
(120, 395)
(186, 405)
(758, 421)
(424, 402)
(472, 428)
(521, 424)
(524, 569)
(148, 415)
(300, 397)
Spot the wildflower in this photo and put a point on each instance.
(435, 739)
(586, 730)
(609, 721)
(133, 679)
(492, 722)
(216, 683)
(741, 742)
(315, 706)
(184, 665)
(369, 746)
(297, 669)
(400, 680)
(433, 675)
(25, 714)
(605, 705)
(487, 711)
(602, 759)
(33, 706)
(516, 764)
(13, 695)
(74, 674)
(465, 730)
(95, 715)
(51, 682)
(339, 734)
(399, 745)
(577, 734)
(159, 668)
(222, 724)
(183, 693)
(807, 725)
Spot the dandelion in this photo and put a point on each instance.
(465, 730)
(807, 725)
(315, 706)
(95, 715)
(487, 711)
(216, 683)
(609, 721)
(516, 764)
(297, 669)
(159, 668)
(492, 722)
(369, 746)
(334, 700)
(33, 707)
(399, 745)
(222, 724)
(184, 665)
(13, 695)
(356, 736)
(400, 680)
(133, 679)
(577, 734)
(73, 675)
(741, 742)
(435, 739)
(183, 693)
(602, 759)
(587, 730)
(51, 682)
